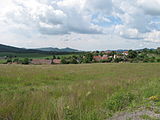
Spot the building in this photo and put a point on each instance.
(57, 61)
(108, 52)
(97, 58)
(125, 53)
(104, 57)
(41, 62)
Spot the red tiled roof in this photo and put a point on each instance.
(57, 61)
(41, 61)
(104, 58)
(97, 58)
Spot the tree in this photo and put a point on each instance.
(132, 54)
(73, 61)
(88, 58)
(16, 60)
(146, 59)
(64, 61)
(54, 57)
(158, 60)
(117, 60)
(152, 59)
(58, 57)
(9, 60)
(25, 61)
(158, 50)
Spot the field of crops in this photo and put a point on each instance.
(75, 92)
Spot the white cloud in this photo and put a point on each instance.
(153, 36)
(150, 7)
(40, 19)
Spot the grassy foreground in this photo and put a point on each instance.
(75, 92)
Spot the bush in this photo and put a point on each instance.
(158, 60)
(146, 59)
(73, 61)
(64, 61)
(9, 60)
(132, 54)
(117, 60)
(25, 61)
(119, 101)
(16, 60)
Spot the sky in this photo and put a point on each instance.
(80, 24)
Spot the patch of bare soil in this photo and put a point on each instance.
(141, 114)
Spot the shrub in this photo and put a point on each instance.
(9, 60)
(158, 60)
(25, 61)
(119, 101)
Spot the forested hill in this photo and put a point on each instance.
(6, 48)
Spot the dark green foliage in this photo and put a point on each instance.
(158, 60)
(73, 61)
(146, 59)
(9, 60)
(152, 59)
(54, 57)
(88, 58)
(64, 61)
(16, 60)
(132, 54)
(117, 60)
(25, 61)
(58, 57)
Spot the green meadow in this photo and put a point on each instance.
(75, 92)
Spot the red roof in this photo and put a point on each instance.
(104, 58)
(57, 61)
(97, 58)
(41, 61)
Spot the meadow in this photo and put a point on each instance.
(75, 92)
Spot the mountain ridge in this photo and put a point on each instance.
(7, 48)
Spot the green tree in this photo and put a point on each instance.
(73, 61)
(152, 59)
(54, 57)
(88, 58)
(64, 61)
(158, 60)
(9, 60)
(16, 60)
(25, 61)
(117, 60)
(132, 54)
(146, 59)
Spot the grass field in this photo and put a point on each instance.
(75, 92)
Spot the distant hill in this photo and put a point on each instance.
(6, 48)
(50, 49)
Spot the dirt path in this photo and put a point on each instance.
(137, 115)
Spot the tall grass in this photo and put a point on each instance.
(74, 92)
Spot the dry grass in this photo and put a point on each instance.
(73, 92)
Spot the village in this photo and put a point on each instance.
(131, 56)
(89, 57)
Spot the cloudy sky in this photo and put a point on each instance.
(80, 24)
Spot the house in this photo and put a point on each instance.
(125, 53)
(117, 56)
(104, 57)
(108, 52)
(57, 61)
(41, 62)
(97, 58)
